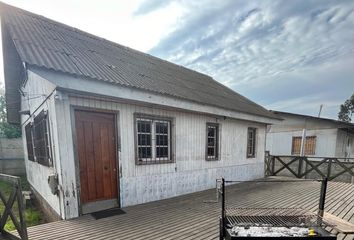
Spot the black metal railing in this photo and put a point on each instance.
(9, 210)
(304, 166)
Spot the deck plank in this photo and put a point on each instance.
(340, 224)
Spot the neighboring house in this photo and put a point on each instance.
(324, 137)
(119, 127)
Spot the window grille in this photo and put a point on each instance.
(42, 148)
(153, 140)
(29, 141)
(310, 145)
(212, 141)
(251, 142)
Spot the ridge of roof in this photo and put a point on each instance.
(314, 117)
(44, 42)
(77, 30)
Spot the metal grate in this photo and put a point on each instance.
(272, 217)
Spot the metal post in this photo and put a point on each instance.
(217, 190)
(322, 197)
(223, 213)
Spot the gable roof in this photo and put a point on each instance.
(45, 43)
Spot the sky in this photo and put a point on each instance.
(286, 55)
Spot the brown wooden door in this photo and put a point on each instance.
(96, 146)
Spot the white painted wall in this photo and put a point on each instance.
(143, 97)
(280, 143)
(190, 172)
(37, 98)
(143, 183)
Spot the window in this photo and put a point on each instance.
(310, 145)
(162, 142)
(29, 141)
(41, 139)
(153, 140)
(212, 140)
(144, 139)
(251, 142)
(296, 146)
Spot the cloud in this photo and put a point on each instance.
(271, 52)
(149, 6)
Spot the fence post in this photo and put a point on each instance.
(329, 168)
(273, 165)
(299, 170)
(21, 208)
(266, 165)
(16, 195)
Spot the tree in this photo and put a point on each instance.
(346, 110)
(6, 129)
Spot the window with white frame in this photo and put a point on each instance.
(153, 140)
(212, 140)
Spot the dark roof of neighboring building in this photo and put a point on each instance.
(45, 43)
(340, 124)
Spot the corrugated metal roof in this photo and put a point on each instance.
(45, 43)
(340, 124)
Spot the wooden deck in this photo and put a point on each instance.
(190, 217)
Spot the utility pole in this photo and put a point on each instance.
(319, 113)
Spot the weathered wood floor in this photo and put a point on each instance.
(189, 217)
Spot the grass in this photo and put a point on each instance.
(32, 215)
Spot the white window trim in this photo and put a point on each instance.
(153, 159)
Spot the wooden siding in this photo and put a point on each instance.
(188, 138)
(190, 217)
(140, 183)
(190, 172)
(40, 95)
(89, 87)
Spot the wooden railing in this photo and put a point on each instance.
(9, 210)
(305, 166)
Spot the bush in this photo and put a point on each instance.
(9, 130)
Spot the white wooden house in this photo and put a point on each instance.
(117, 127)
(323, 137)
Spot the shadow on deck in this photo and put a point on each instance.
(190, 217)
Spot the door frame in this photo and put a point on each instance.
(73, 109)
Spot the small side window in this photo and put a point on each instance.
(29, 141)
(212, 141)
(251, 142)
(42, 148)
